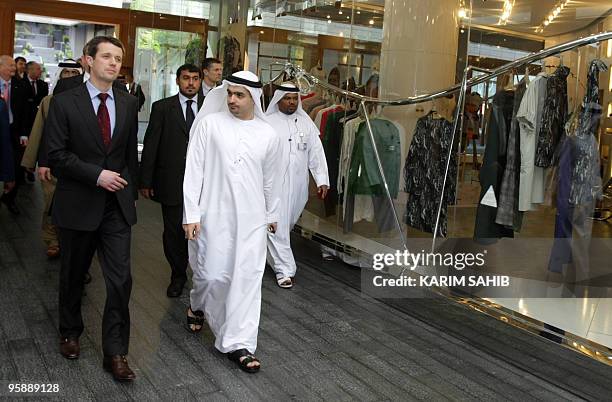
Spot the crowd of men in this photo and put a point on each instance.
(232, 180)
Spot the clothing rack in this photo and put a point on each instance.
(300, 75)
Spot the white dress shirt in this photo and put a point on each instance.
(110, 103)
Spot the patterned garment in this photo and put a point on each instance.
(424, 174)
(554, 117)
(586, 180)
(507, 207)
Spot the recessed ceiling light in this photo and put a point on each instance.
(262, 32)
(329, 16)
(371, 22)
(329, 21)
(358, 12)
(340, 12)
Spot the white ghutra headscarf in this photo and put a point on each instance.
(216, 100)
(284, 89)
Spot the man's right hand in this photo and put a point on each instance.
(192, 230)
(147, 193)
(44, 174)
(111, 181)
(8, 186)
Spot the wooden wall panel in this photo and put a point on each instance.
(126, 21)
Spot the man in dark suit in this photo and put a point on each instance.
(92, 143)
(14, 91)
(163, 166)
(37, 89)
(72, 82)
(7, 164)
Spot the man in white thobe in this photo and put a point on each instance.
(230, 203)
(301, 151)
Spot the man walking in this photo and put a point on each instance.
(14, 92)
(163, 166)
(301, 151)
(231, 199)
(92, 150)
(212, 70)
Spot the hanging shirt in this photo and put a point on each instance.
(531, 180)
(424, 173)
(507, 209)
(364, 174)
(230, 187)
(554, 117)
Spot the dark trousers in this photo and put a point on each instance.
(175, 244)
(112, 242)
(19, 173)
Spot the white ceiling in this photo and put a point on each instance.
(527, 15)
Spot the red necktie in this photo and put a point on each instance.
(104, 120)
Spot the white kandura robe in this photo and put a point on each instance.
(230, 188)
(296, 162)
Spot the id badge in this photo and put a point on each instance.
(302, 146)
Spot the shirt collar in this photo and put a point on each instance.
(184, 99)
(94, 92)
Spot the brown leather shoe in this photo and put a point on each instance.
(53, 251)
(118, 365)
(69, 348)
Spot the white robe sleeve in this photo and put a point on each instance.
(271, 183)
(317, 163)
(193, 181)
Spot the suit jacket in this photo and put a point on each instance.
(72, 82)
(77, 156)
(33, 100)
(136, 90)
(7, 166)
(162, 166)
(36, 149)
(19, 100)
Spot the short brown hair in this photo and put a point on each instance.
(92, 45)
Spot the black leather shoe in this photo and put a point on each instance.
(10, 205)
(175, 289)
(70, 348)
(118, 365)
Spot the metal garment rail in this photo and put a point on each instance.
(300, 74)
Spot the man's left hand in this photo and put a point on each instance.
(272, 227)
(322, 191)
(23, 141)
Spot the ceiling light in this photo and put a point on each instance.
(348, 18)
(358, 12)
(506, 12)
(462, 13)
(262, 32)
(371, 22)
(329, 21)
(340, 12)
(329, 16)
(553, 14)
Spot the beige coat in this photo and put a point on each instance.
(30, 155)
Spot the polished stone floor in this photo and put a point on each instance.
(323, 340)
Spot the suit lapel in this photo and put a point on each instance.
(178, 113)
(83, 104)
(120, 115)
